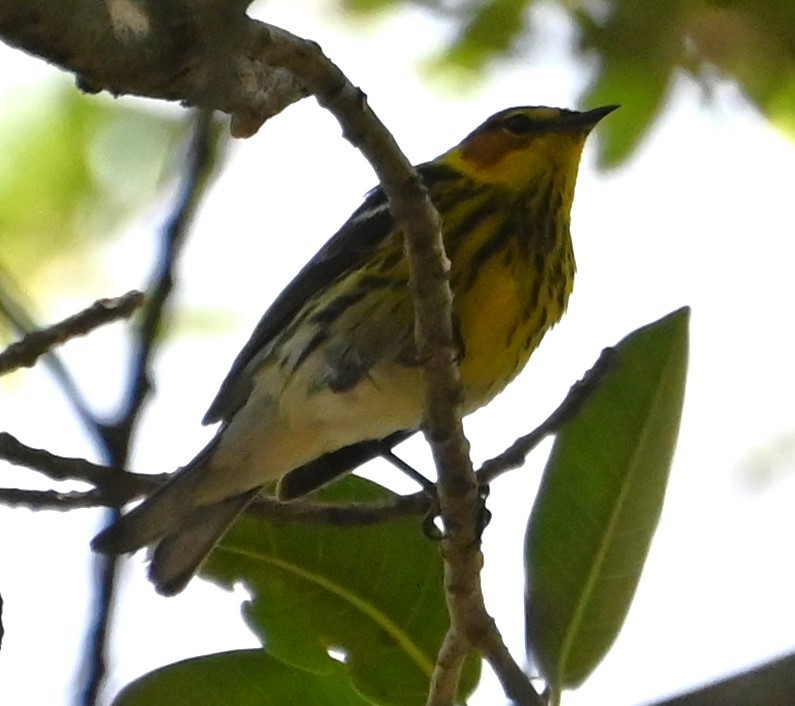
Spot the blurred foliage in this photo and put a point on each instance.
(638, 47)
(74, 168)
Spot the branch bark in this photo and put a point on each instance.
(198, 52)
(109, 488)
(25, 353)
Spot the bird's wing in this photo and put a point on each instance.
(367, 227)
(313, 475)
(361, 233)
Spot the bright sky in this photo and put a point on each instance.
(700, 216)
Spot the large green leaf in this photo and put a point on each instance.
(374, 594)
(242, 678)
(599, 503)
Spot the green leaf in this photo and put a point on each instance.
(374, 594)
(599, 503)
(242, 678)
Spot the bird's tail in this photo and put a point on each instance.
(179, 554)
(184, 531)
(159, 514)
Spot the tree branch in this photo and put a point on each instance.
(459, 498)
(199, 52)
(516, 454)
(447, 671)
(201, 161)
(25, 353)
(118, 436)
(115, 488)
(49, 499)
(22, 322)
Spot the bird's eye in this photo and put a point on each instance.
(519, 124)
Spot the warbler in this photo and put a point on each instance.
(331, 378)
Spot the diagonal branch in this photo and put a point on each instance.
(22, 322)
(25, 353)
(514, 456)
(200, 166)
(459, 497)
(458, 492)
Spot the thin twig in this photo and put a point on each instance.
(270, 509)
(110, 489)
(201, 163)
(49, 499)
(114, 489)
(514, 456)
(514, 681)
(118, 436)
(54, 467)
(341, 515)
(25, 353)
(22, 322)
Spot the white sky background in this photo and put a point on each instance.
(701, 215)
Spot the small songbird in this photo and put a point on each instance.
(330, 377)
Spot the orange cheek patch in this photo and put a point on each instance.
(488, 149)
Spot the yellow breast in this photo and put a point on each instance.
(504, 312)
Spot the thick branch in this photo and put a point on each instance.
(199, 52)
(447, 672)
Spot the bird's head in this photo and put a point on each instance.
(517, 146)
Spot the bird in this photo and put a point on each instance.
(330, 377)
